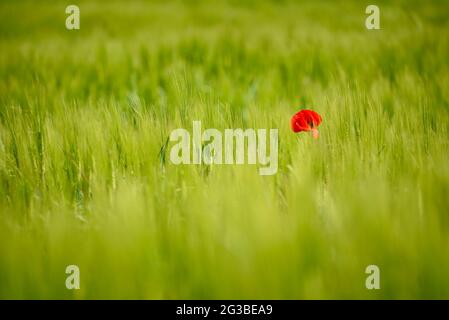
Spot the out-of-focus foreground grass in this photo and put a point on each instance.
(84, 116)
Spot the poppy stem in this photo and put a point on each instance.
(315, 133)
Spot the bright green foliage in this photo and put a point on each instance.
(85, 176)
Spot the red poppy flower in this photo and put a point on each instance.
(306, 120)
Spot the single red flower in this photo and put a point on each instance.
(306, 120)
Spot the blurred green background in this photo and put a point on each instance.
(85, 178)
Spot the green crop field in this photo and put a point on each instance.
(86, 178)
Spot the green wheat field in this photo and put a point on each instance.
(86, 178)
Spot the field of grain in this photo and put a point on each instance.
(85, 177)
